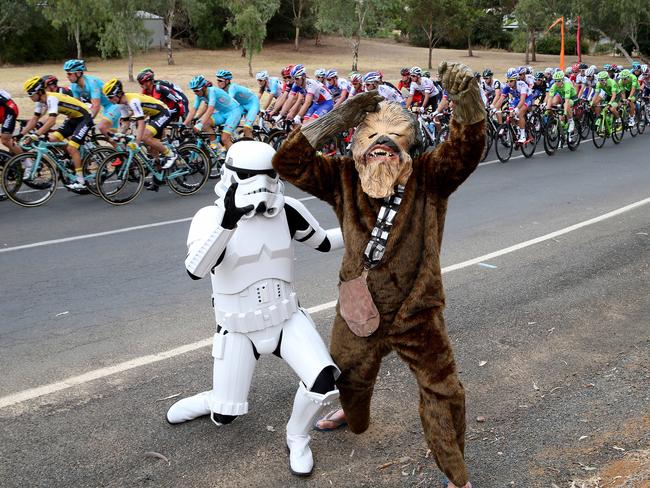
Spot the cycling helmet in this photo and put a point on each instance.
(602, 75)
(74, 65)
(568, 70)
(644, 68)
(575, 68)
(320, 73)
(477, 75)
(50, 80)
(404, 71)
(487, 73)
(286, 71)
(583, 66)
(607, 67)
(331, 73)
(262, 75)
(426, 74)
(548, 71)
(591, 71)
(197, 82)
(34, 85)
(298, 70)
(529, 70)
(415, 70)
(558, 76)
(356, 77)
(113, 88)
(224, 74)
(522, 70)
(539, 75)
(636, 65)
(145, 75)
(371, 77)
(512, 74)
(626, 73)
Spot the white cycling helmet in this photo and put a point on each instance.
(644, 68)
(590, 71)
(262, 75)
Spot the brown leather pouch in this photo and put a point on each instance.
(357, 307)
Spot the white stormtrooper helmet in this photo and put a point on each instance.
(248, 163)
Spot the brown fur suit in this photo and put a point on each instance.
(406, 286)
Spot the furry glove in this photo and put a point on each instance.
(464, 91)
(349, 114)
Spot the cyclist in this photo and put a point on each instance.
(491, 87)
(52, 82)
(338, 87)
(587, 91)
(629, 90)
(520, 98)
(319, 74)
(249, 103)
(165, 91)
(219, 108)
(140, 106)
(563, 93)
(284, 96)
(88, 89)
(356, 83)
(643, 80)
(421, 89)
(405, 80)
(270, 85)
(8, 115)
(78, 123)
(607, 90)
(372, 81)
(317, 99)
(539, 87)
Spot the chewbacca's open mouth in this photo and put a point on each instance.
(380, 153)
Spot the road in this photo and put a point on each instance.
(99, 325)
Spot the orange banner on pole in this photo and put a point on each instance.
(561, 22)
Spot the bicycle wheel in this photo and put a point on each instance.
(118, 180)
(641, 120)
(634, 128)
(552, 136)
(503, 142)
(599, 131)
(534, 126)
(26, 185)
(190, 171)
(528, 148)
(618, 130)
(4, 157)
(573, 138)
(586, 123)
(276, 138)
(91, 162)
(489, 137)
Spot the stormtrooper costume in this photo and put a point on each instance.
(245, 242)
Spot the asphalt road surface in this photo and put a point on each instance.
(100, 326)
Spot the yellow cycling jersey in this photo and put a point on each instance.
(58, 103)
(141, 105)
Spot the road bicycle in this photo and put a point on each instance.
(605, 126)
(557, 133)
(506, 137)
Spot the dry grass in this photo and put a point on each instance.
(632, 471)
(335, 52)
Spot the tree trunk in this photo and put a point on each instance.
(297, 14)
(77, 39)
(469, 46)
(250, 63)
(533, 48)
(618, 46)
(527, 59)
(355, 51)
(130, 51)
(169, 26)
(430, 36)
(296, 45)
(317, 39)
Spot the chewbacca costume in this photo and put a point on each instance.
(406, 286)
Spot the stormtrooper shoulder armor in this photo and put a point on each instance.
(305, 228)
(206, 241)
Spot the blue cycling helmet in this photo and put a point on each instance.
(320, 73)
(224, 74)
(331, 73)
(197, 82)
(636, 65)
(74, 65)
(522, 70)
(512, 74)
(372, 77)
(298, 71)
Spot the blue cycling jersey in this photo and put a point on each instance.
(92, 89)
(274, 87)
(242, 94)
(217, 98)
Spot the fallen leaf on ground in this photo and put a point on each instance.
(482, 363)
(169, 397)
(157, 455)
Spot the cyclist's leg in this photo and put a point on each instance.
(79, 133)
(251, 110)
(231, 122)
(153, 133)
(109, 120)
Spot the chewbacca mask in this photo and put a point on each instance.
(383, 148)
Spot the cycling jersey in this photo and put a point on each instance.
(141, 105)
(273, 86)
(489, 89)
(354, 91)
(632, 82)
(167, 93)
(390, 94)
(425, 86)
(8, 113)
(249, 102)
(315, 88)
(92, 89)
(521, 90)
(609, 88)
(338, 87)
(57, 103)
(566, 92)
(539, 89)
(217, 98)
(286, 87)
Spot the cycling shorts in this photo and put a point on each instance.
(318, 109)
(611, 101)
(8, 116)
(251, 109)
(74, 130)
(572, 100)
(515, 102)
(229, 120)
(113, 114)
(156, 125)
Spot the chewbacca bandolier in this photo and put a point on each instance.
(406, 283)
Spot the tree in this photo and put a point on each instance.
(424, 15)
(124, 33)
(175, 17)
(535, 17)
(248, 24)
(76, 16)
(299, 7)
(461, 17)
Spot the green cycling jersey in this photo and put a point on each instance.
(610, 87)
(566, 91)
(629, 83)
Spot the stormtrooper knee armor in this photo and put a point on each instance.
(245, 242)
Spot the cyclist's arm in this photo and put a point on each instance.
(205, 113)
(292, 101)
(139, 133)
(52, 112)
(305, 106)
(31, 123)
(138, 115)
(342, 97)
(94, 107)
(279, 103)
(426, 98)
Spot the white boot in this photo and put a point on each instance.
(189, 408)
(307, 406)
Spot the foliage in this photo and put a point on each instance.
(207, 23)
(248, 23)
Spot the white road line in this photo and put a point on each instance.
(107, 233)
(32, 393)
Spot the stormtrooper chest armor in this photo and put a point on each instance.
(253, 284)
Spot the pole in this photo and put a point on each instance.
(578, 42)
(562, 45)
